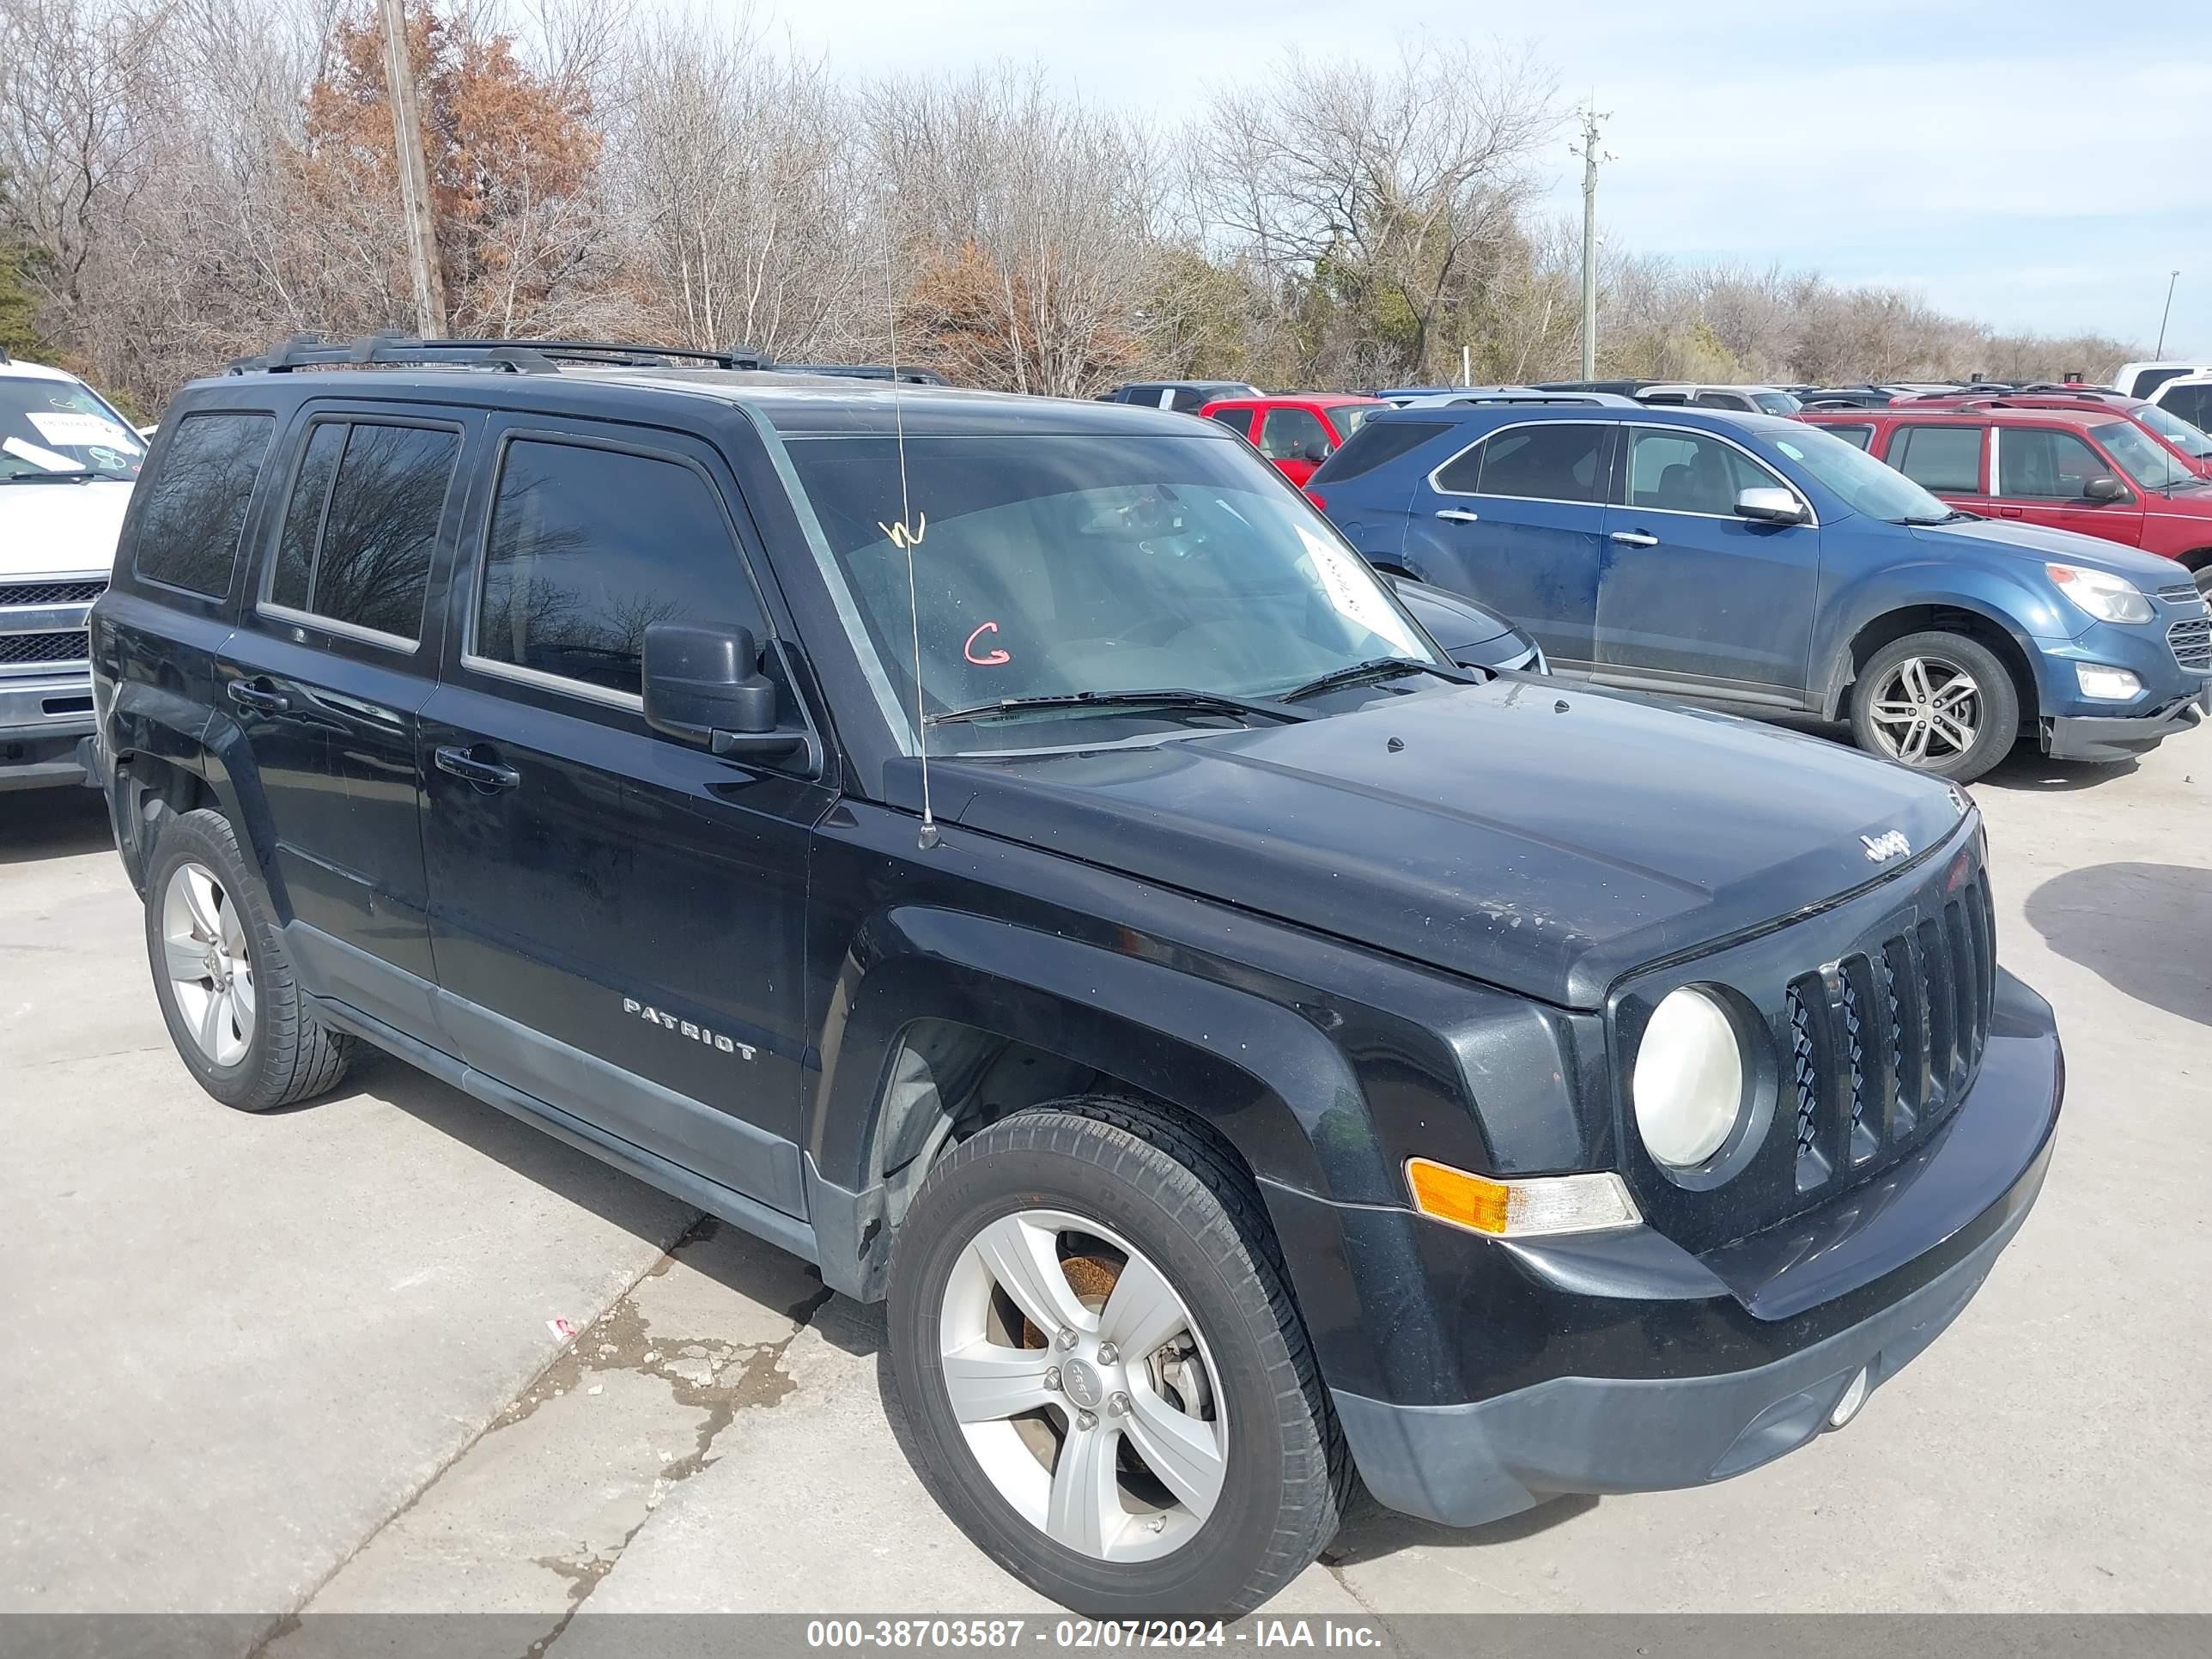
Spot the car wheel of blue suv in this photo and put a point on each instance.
(1937, 702)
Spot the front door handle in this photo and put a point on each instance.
(1635, 538)
(1458, 515)
(264, 698)
(485, 774)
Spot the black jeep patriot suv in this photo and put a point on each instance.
(1250, 1048)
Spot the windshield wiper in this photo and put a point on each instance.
(82, 475)
(1376, 668)
(1951, 517)
(1212, 702)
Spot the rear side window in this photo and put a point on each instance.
(591, 547)
(1376, 444)
(1558, 461)
(1946, 459)
(1236, 419)
(362, 523)
(196, 502)
(1858, 437)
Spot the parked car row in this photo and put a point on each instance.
(1017, 855)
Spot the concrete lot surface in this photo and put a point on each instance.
(303, 1362)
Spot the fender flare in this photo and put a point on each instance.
(1922, 585)
(167, 726)
(1268, 1081)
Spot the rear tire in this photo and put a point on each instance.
(1936, 702)
(1257, 1474)
(221, 973)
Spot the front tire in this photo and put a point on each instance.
(1112, 1392)
(222, 976)
(1936, 702)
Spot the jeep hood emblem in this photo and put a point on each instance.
(1891, 844)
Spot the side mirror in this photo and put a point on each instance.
(703, 686)
(1767, 505)
(2104, 488)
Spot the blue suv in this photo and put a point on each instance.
(1760, 562)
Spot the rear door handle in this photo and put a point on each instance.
(1458, 515)
(485, 775)
(261, 697)
(1635, 538)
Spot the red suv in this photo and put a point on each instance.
(1296, 431)
(2191, 443)
(2091, 471)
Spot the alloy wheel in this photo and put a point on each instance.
(1084, 1386)
(209, 969)
(1927, 711)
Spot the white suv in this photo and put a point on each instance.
(67, 463)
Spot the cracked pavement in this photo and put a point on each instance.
(283, 1366)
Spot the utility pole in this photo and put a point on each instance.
(414, 175)
(1591, 155)
(2164, 315)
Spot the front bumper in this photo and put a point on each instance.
(2083, 737)
(42, 719)
(1623, 1363)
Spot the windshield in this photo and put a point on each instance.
(1776, 403)
(1866, 485)
(1049, 566)
(2189, 440)
(2150, 463)
(63, 426)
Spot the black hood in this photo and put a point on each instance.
(1538, 838)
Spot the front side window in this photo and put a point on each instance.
(589, 547)
(2148, 462)
(2043, 465)
(1292, 435)
(1946, 459)
(194, 509)
(54, 426)
(1050, 566)
(363, 523)
(2193, 404)
(1673, 470)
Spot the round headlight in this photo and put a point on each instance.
(1688, 1084)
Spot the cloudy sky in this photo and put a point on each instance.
(2033, 162)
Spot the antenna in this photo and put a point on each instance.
(907, 535)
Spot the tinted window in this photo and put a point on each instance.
(2148, 381)
(1858, 437)
(303, 516)
(1556, 461)
(1286, 434)
(1720, 400)
(380, 527)
(1678, 471)
(195, 504)
(1944, 459)
(1376, 444)
(2192, 403)
(1237, 420)
(1189, 400)
(588, 548)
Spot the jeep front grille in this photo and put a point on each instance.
(2192, 639)
(62, 649)
(1878, 1015)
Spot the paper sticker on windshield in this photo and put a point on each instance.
(66, 427)
(1356, 591)
(38, 457)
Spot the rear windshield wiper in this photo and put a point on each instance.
(1213, 702)
(81, 475)
(1376, 668)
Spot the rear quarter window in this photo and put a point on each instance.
(1376, 444)
(195, 503)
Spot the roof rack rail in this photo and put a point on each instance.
(389, 346)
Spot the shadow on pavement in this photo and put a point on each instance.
(2026, 770)
(1372, 1532)
(36, 824)
(2144, 929)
